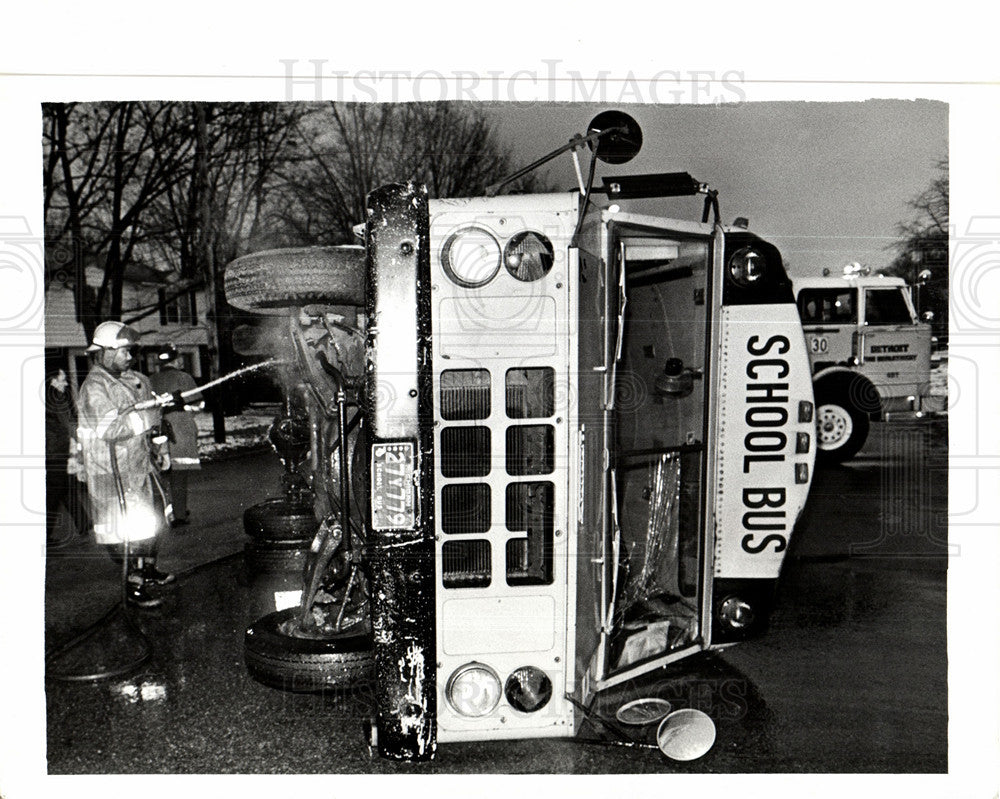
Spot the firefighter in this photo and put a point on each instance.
(179, 427)
(128, 504)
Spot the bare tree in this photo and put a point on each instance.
(923, 245)
(218, 209)
(346, 150)
(187, 187)
(105, 166)
(454, 150)
(133, 182)
(152, 151)
(73, 185)
(341, 152)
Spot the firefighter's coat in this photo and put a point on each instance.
(184, 446)
(105, 421)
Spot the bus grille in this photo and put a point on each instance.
(465, 564)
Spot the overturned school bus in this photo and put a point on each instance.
(581, 439)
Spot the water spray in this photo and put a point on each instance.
(163, 399)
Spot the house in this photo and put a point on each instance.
(161, 311)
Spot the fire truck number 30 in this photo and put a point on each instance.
(818, 344)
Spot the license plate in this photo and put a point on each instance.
(393, 489)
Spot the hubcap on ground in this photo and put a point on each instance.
(833, 426)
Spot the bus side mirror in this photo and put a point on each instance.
(622, 141)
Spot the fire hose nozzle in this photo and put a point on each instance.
(161, 401)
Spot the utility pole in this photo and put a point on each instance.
(207, 257)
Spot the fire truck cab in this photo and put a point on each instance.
(870, 356)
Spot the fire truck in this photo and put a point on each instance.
(577, 440)
(870, 356)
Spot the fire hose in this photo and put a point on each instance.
(120, 606)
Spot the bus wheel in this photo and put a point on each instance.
(275, 280)
(280, 518)
(305, 664)
(841, 429)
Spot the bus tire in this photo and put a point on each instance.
(272, 281)
(841, 428)
(305, 665)
(275, 557)
(280, 519)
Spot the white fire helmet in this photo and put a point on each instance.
(111, 335)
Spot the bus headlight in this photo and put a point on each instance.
(528, 689)
(528, 256)
(747, 266)
(473, 690)
(471, 257)
(736, 613)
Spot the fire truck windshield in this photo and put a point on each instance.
(828, 306)
(886, 307)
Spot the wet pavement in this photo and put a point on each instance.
(852, 676)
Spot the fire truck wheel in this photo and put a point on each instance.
(272, 281)
(280, 519)
(841, 429)
(305, 665)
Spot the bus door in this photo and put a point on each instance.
(657, 433)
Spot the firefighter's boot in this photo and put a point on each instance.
(151, 574)
(138, 593)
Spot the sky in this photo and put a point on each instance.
(826, 182)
